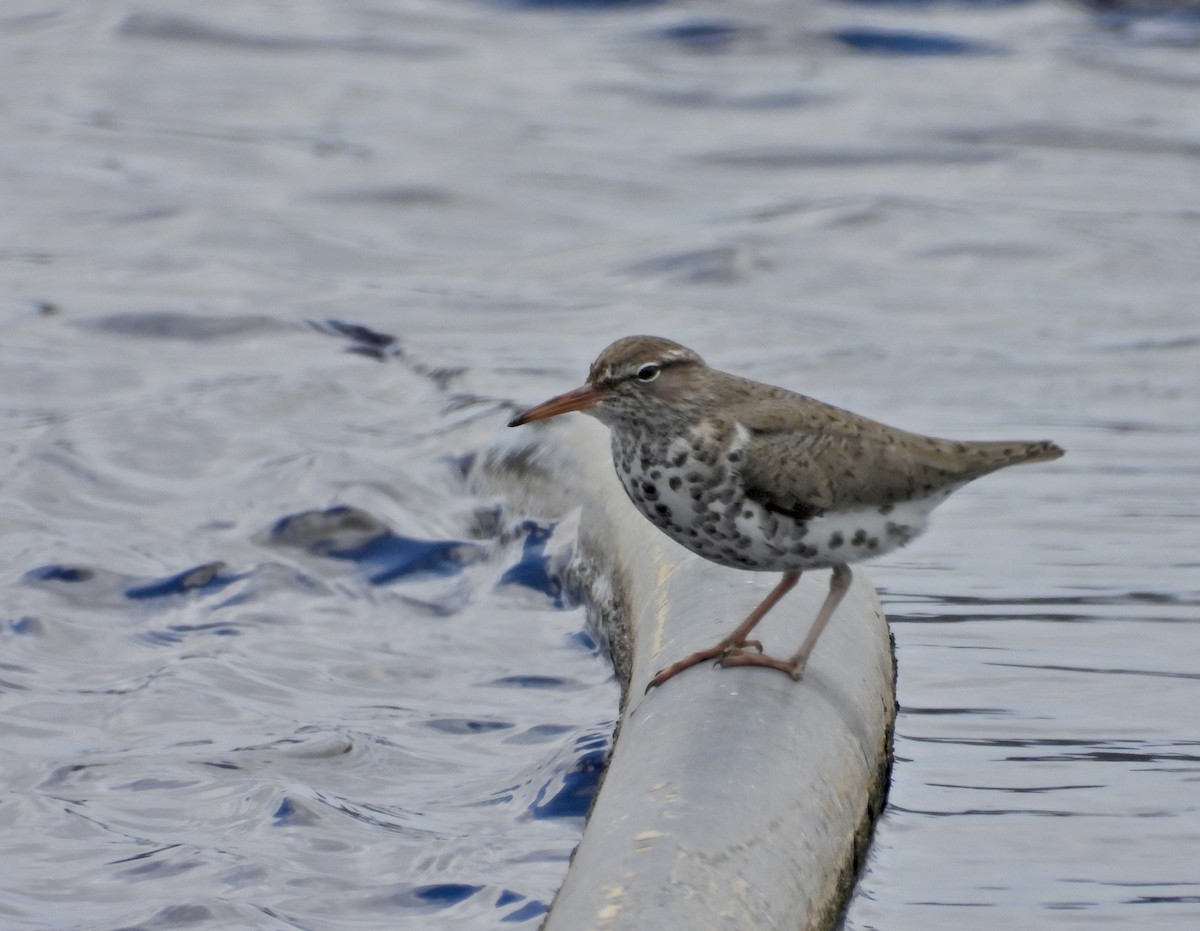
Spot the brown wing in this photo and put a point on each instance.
(804, 456)
(802, 474)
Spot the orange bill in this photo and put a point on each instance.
(578, 400)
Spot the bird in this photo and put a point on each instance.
(757, 477)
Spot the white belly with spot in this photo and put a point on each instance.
(697, 506)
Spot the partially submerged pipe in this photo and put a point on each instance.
(734, 798)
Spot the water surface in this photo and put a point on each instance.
(268, 661)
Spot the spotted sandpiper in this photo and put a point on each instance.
(757, 477)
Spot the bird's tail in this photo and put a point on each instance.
(1041, 451)
(990, 456)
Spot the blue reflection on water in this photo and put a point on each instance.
(903, 42)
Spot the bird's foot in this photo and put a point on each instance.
(717, 653)
(735, 657)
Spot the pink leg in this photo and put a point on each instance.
(839, 584)
(736, 642)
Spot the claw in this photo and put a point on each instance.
(668, 672)
(721, 654)
(741, 658)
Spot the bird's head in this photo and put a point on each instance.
(639, 382)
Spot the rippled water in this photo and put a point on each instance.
(269, 662)
(233, 697)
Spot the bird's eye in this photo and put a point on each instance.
(649, 371)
